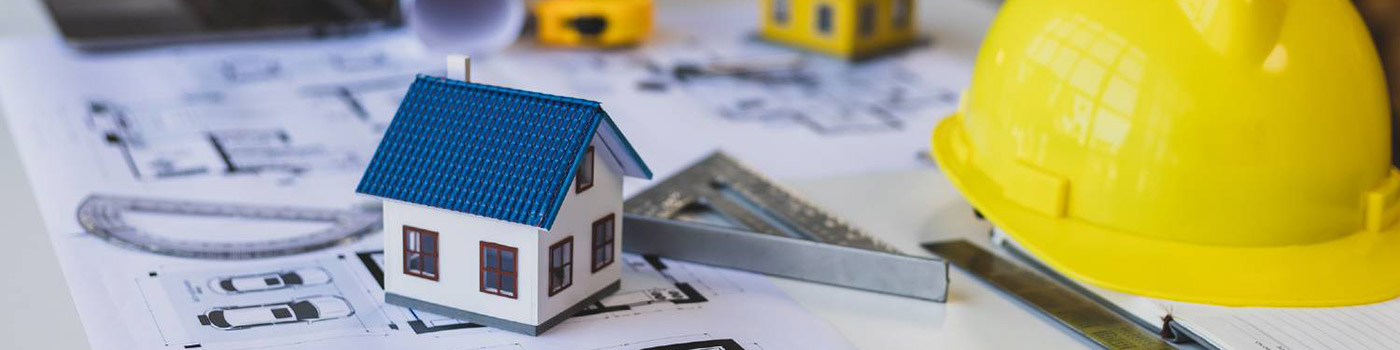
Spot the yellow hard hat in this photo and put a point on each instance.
(1232, 152)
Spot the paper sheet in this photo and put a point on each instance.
(1373, 326)
(703, 82)
(706, 81)
(1358, 327)
(293, 123)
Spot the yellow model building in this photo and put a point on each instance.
(852, 29)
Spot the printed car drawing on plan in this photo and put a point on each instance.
(717, 344)
(303, 310)
(270, 281)
(644, 297)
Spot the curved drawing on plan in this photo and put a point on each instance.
(104, 216)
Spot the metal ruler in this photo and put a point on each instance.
(719, 212)
(104, 216)
(1071, 309)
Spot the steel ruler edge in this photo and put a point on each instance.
(1068, 307)
(1175, 333)
(861, 269)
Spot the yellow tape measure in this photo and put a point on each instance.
(592, 23)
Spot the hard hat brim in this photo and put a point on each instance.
(1359, 268)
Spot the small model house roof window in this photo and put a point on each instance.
(496, 152)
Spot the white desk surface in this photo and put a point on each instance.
(903, 208)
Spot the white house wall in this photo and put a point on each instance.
(576, 219)
(459, 280)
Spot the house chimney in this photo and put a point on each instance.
(459, 67)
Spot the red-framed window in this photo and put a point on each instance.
(561, 265)
(498, 269)
(420, 253)
(583, 178)
(604, 234)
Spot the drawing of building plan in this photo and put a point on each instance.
(202, 196)
(709, 79)
(279, 111)
(331, 301)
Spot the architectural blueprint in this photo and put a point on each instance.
(749, 81)
(333, 301)
(219, 178)
(707, 79)
(219, 215)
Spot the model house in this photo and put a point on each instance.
(851, 29)
(502, 207)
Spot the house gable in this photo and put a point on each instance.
(576, 217)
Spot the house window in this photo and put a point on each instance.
(561, 265)
(583, 179)
(420, 253)
(498, 270)
(604, 231)
(780, 11)
(866, 22)
(901, 12)
(824, 19)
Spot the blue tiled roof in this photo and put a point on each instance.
(490, 151)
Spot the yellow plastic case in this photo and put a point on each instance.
(592, 23)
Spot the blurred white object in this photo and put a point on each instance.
(473, 27)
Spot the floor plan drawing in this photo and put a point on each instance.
(825, 112)
(371, 101)
(213, 184)
(216, 134)
(821, 94)
(749, 81)
(198, 309)
(334, 301)
(256, 68)
(283, 115)
(650, 285)
(249, 69)
(793, 112)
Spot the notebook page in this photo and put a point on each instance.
(1374, 326)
